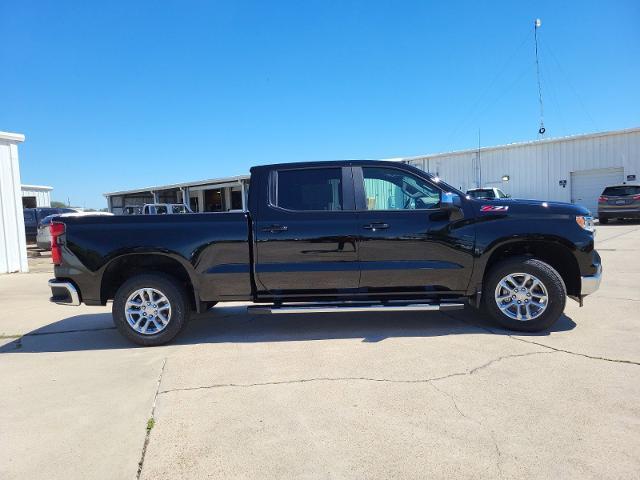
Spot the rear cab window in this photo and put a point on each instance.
(309, 189)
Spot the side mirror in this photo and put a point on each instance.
(507, 195)
(450, 201)
(452, 204)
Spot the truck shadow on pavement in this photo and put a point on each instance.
(234, 325)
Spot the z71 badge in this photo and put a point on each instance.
(494, 208)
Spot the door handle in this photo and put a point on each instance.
(275, 228)
(376, 226)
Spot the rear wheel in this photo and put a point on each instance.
(524, 294)
(150, 309)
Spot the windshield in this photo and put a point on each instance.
(621, 191)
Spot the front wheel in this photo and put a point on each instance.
(150, 309)
(603, 220)
(524, 294)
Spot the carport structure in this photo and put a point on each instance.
(212, 195)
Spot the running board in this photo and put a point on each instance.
(353, 307)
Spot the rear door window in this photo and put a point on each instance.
(309, 189)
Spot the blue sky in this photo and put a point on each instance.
(115, 95)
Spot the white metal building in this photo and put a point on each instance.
(13, 244)
(570, 169)
(36, 196)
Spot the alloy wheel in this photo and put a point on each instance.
(521, 296)
(148, 311)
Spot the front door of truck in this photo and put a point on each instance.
(406, 242)
(306, 233)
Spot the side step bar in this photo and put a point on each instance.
(353, 307)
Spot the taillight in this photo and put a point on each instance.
(636, 197)
(56, 230)
(602, 199)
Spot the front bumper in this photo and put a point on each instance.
(63, 293)
(591, 283)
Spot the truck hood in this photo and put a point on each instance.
(515, 206)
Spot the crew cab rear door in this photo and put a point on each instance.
(305, 232)
(407, 243)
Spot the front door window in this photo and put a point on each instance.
(391, 189)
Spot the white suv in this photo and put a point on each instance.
(489, 193)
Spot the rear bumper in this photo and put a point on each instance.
(619, 213)
(63, 293)
(591, 283)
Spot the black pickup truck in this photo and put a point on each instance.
(332, 236)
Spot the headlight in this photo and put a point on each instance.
(586, 223)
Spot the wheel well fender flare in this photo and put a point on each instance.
(173, 265)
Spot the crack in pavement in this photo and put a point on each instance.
(555, 349)
(478, 422)
(617, 298)
(348, 379)
(429, 381)
(618, 236)
(585, 355)
(152, 417)
(38, 334)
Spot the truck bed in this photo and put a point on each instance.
(215, 246)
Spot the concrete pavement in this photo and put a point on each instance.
(325, 396)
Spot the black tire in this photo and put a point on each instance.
(550, 278)
(603, 220)
(174, 293)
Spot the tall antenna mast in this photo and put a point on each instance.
(536, 25)
(479, 164)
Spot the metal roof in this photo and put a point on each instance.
(36, 187)
(157, 188)
(521, 144)
(12, 137)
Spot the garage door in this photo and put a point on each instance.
(587, 185)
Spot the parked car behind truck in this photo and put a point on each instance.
(332, 236)
(619, 202)
(33, 216)
(43, 237)
(487, 193)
